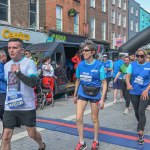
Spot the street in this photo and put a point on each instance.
(111, 117)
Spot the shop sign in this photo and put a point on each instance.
(50, 39)
(118, 42)
(7, 34)
(58, 37)
(72, 12)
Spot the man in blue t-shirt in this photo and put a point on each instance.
(108, 66)
(117, 84)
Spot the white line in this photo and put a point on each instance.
(24, 134)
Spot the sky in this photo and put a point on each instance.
(144, 4)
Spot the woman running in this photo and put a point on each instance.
(90, 76)
(139, 87)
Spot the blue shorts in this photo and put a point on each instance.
(87, 99)
(117, 84)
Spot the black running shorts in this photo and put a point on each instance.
(26, 118)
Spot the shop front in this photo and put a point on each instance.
(27, 36)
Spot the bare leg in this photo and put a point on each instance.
(35, 135)
(81, 105)
(95, 119)
(6, 138)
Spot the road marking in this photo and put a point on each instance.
(72, 117)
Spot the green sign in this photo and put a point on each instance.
(72, 12)
(58, 37)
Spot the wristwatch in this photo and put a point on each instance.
(16, 72)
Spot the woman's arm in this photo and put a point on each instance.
(118, 74)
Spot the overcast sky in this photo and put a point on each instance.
(144, 4)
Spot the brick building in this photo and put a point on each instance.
(118, 21)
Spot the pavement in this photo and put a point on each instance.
(64, 108)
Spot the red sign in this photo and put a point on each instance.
(118, 42)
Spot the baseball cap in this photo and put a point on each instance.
(105, 55)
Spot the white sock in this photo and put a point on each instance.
(82, 142)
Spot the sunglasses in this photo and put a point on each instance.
(141, 56)
(86, 50)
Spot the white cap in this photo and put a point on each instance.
(105, 55)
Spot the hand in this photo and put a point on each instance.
(144, 95)
(101, 104)
(15, 67)
(115, 79)
(75, 99)
(129, 87)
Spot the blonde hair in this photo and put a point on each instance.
(145, 53)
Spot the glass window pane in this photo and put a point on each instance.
(3, 12)
(4, 2)
(32, 19)
(58, 12)
(33, 5)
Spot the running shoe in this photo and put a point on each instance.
(140, 139)
(81, 146)
(148, 107)
(121, 100)
(115, 101)
(126, 111)
(95, 145)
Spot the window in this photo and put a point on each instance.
(104, 5)
(137, 13)
(124, 21)
(119, 19)
(131, 25)
(124, 38)
(143, 18)
(113, 2)
(33, 13)
(119, 3)
(92, 27)
(124, 5)
(136, 27)
(131, 11)
(92, 3)
(76, 24)
(103, 30)
(58, 18)
(4, 10)
(113, 39)
(113, 16)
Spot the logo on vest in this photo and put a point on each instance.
(139, 80)
(146, 68)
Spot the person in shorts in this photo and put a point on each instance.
(21, 76)
(91, 77)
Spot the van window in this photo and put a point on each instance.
(58, 57)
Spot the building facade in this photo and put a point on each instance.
(117, 22)
(144, 19)
(133, 18)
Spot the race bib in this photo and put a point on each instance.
(15, 100)
(139, 80)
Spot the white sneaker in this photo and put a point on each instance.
(126, 111)
(121, 100)
(115, 101)
(129, 107)
(148, 107)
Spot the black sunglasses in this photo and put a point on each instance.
(142, 56)
(86, 50)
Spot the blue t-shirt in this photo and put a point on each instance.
(108, 64)
(91, 75)
(117, 66)
(140, 77)
(3, 83)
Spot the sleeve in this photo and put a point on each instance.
(129, 69)
(32, 69)
(102, 73)
(1, 73)
(120, 70)
(111, 64)
(77, 73)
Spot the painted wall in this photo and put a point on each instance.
(144, 19)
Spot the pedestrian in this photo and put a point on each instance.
(21, 75)
(132, 56)
(138, 82)
(3, 84)
(90, 76)
(117, 84)
(108, 66)
(124, 89)
(48, 77)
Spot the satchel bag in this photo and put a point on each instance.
(90, 90)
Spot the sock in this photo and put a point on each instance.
(82, 142)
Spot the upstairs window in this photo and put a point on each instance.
(4, 10)
(92, 3)
(58, 18)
